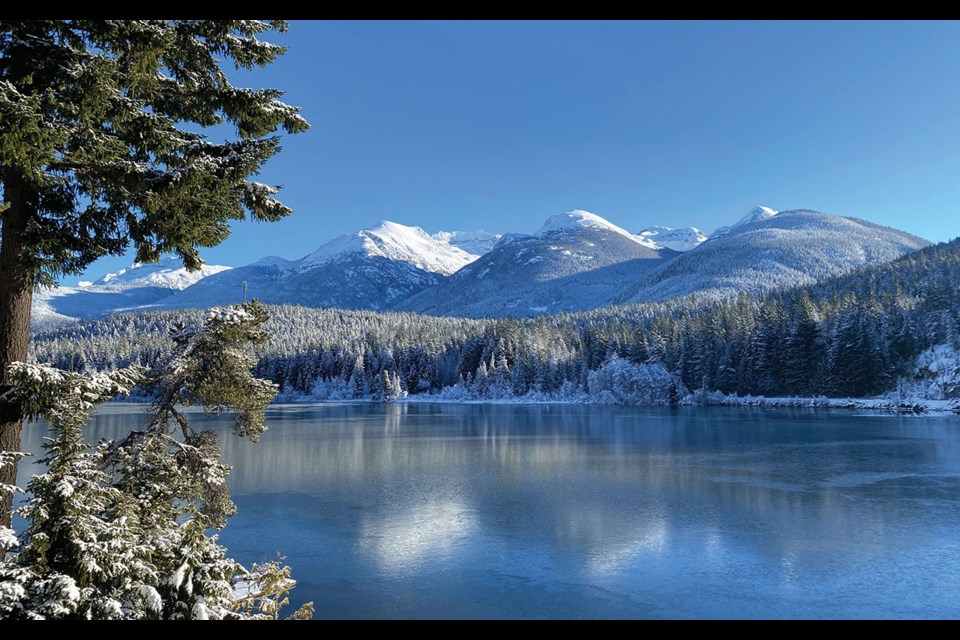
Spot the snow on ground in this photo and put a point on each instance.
(905, 405)
(936, 376)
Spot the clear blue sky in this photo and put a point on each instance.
(498, 125)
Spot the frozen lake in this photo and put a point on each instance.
(577, 511)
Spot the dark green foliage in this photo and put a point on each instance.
(95, 119)
(104, 145)
(213, 366)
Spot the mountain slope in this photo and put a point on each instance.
(134, 287)
(473, 242)
(395, 242)
(786, 249)
(757, 214)
(577, 260)
(682, 239)
(369, 269)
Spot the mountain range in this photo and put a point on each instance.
(577, 260)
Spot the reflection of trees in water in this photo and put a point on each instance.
(607, 485)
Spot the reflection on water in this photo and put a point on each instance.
(401, 542)
(598, 511)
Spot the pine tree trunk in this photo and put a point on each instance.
(16, 297)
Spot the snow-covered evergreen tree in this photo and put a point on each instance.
(119, 530)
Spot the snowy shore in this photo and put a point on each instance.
(886, 404)
(883, 404)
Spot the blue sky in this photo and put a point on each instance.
(498, 125)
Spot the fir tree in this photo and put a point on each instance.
(120, 530)
(802, 350)
(100, 150)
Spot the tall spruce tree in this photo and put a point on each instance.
(801, 352)
(100, 149)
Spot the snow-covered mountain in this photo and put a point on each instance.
(767, 250)
(757, 214)
(575, 260)
(682, 239)
(473, 242)
(369, 269)
(395, 242)
(137, 286)
(578, 219)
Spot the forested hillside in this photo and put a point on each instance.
(854, 335)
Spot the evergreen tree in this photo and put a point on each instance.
(392, 387)
(802, 350)
(119, 530)
(82, 556)
(99, 150)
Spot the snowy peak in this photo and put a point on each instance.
(166, 274)
(473, 242)
(393, 241)
(682, 239)
(757, 214)
(579, 219)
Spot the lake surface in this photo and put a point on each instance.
(584, 511)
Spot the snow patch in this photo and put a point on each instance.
(682, 239)
(475, 243)
(167, 274)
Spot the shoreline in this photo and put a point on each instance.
(913, 406)
(905, 406)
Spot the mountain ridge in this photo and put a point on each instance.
(576, 260)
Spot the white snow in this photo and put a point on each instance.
(682, 239)
(756, 214)
(883, 403)
(136, 286)
(473, 242)
(167, 274)
(395, 242)
(200, 611)
(579, 219)
(8, 540)
(935, 376)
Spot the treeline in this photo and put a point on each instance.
(853, 335)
